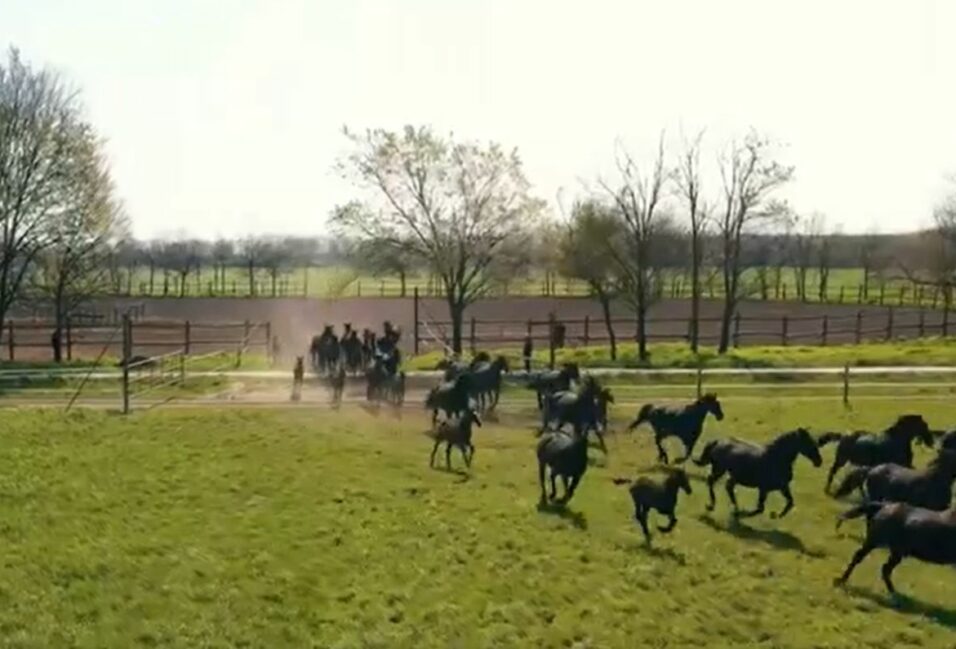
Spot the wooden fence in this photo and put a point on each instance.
(827, 329)
(33, 340)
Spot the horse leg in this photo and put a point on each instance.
(471, 454)
(729, 486)
(544, 498)
(465, 455)
(661, 453)
(761, 502)
(714, 476)
(641, 516)
(569, 491)
(838, 463)
(671, 523)
(554, 486)
(888, 568)
(431, 460)
(786, 508)
(448, 455)
(601, 441)
(688, 450)
(858, 556)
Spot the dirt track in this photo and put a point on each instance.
(295, 320)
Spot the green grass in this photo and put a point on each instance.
(344, 281)
(283, 529)
(924, 351)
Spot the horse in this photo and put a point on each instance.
(586, 408)
(648, 494)
(325, 350)
(948, 440)
(686, 424)
(384, 384)
(892, 446)
(456, 432)
(337, 384)
(368, 346)
(931, 487)
(298, 375)
(906, 531)
(352, 352)
(486, 381)
(767, 468)
(566, 456)
(545, 383)
(452, 397)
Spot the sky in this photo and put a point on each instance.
(224, 117)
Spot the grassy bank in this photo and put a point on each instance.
(928, 351)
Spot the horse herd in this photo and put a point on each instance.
(908, 510)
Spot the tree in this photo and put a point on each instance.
(251, 252)
(40, 134)
(869, 260)
(584, 256)
(182, 256)
(75, 264)
(688, 179)
(749, 177)
(455, 207)
(932, 259)
(824, 261)
(384, 258)
(637, 198)
(803, 235)
(223, 251)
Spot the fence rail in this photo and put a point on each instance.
(826, 329)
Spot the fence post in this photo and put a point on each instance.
(127, 354)
(246, 329)
(530, 325)
(889, 324)
(824, 330)
(182, 370)
(186, 337)
(882, 293)
(859, 327)
(415, 317)
(737, 329)
(846, 384)
(587, 330)
(784, 287)
(551, 340)
(784, 328)
(69, 338)
(902, 295)
(841, 293)
(10, 343)
(922, 324)
(472, 336)
(859, 294)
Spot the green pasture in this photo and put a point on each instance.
(305, 528)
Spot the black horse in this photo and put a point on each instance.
(545, 383)
(906, 531)
(584, 408)
(892, 446)
(352, 352)
(648, 494)
(948, 441)
(486, 378)
(686, 424)
(566, 455)
(765, 468)
(324, 351)
(451, 397)
(931, 487)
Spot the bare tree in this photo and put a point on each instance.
(181, 256)
(223, 251)
(637, 200)
(584, 256)
(251, 252)
(455, 207)
(749, 176)
(75, 264)
(931, 260)
(39, 127)
(688, 179)
(868, 259)
(824, 252)
(803, 236)
(384, 258)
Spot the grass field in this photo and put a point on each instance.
(289, 528)
(343, 281)
(924, 352)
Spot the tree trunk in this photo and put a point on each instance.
(608, 323)
(457, 312)
(274, 273)
(401, 278)
(694, 295)
(58, 321)
(252, 278)
(183, 278)
(641, 304)
(165, 283)
(152, 276)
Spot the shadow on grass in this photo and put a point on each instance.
(463, 474)
(667, 554)
(910, 606)
(775, 538)
(560, 509)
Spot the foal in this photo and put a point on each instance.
(649, 494)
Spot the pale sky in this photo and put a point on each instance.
(224, 117)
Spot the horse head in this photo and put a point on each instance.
(712, 405)
(501, 364)
(807, 446)
(679, 480)
(472, 414)
(571, 371)
(912, 427)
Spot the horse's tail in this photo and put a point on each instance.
(868, 509)
(826, 438)
(854, 480)
(704, 458)
(621, 481)
(643, 415)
